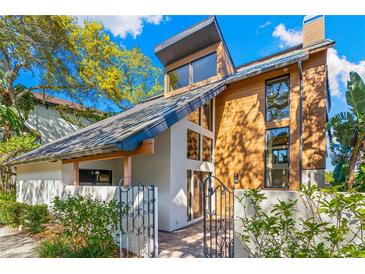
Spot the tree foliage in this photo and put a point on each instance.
(81, 61)
(348, 130)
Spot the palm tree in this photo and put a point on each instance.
(349, 127)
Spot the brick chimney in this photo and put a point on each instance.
(313, 29)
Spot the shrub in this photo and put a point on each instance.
(11, 213)
(88, 226)
(56, 247)
(7, 196)
(329, 224)
(34, 218)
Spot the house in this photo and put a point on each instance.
(47, 119)
(261, 124)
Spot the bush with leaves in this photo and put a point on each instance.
(317, 224)
(88, 226)
(35, 217)
(11, 213)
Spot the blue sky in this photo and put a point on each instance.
(252, 37)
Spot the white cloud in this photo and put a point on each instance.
(266, 24)
(288, 37)
(338, 69)
(124, 25)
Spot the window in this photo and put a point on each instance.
(193, 72)
(193, 140)
(195, 116)
(277, 99)
(189, 195)
(94, 176)
(179, 77)
(207, 149)
(277, 159)
(204, 68)
(207, 115)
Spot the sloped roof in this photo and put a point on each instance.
(48, 99)
(128, 129)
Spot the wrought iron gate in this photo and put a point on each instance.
(137, 230)
(218, 219)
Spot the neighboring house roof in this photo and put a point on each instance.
(51, 100)
(128, 129)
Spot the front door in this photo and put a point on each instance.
(195, 194)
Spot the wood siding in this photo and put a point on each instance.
(241, 126)
(313, 32)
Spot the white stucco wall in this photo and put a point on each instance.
(180, 164)
(155, 170)
(49, 123)
(314, 177)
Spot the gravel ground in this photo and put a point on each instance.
(16, 245)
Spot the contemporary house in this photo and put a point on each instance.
(257, 125)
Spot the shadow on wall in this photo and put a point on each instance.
(239, 140)
(43, 191)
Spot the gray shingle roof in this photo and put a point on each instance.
(127, 130)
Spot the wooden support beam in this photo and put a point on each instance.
(147, 147)
(76, 178)
(127, 171)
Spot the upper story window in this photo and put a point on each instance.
(179, 77)
(204, 68)
(196, 71)
(277, 98)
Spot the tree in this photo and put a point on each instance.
(63, 56)
(349, 131)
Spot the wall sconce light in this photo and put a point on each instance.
(235, 178)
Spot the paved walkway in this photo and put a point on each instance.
(183, 243)
(16, 245)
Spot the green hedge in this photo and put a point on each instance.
(31, 217)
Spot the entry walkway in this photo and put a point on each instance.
(16, 245)
(183, 243)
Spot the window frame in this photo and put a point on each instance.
(200, 58)
(199, 145)
(211, 149)
(94, 182)
(287, 75)
(179, 67)
(190, 71)
(265, 155)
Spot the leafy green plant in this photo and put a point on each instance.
(348, 128)
(11, 213)
(35, 217)
(88, 226)
(316, 224)
(7, 196)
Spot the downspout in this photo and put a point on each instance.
(300, 121)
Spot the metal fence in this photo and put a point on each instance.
(137, 235)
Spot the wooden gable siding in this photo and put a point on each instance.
(222, 57)
(314, 112)
(241, 126)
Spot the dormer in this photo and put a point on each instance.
(195, 57)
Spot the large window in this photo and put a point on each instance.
(277, 98)
(193, 72)
(204, 68)
(207, 149)
(193, 146)
(207, 115)
(95, 176)
(277, 158)
(179, 77)
(195, 116)
(203, 116)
